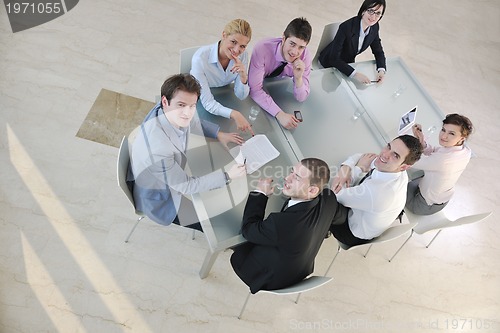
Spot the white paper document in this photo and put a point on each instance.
(257, 151)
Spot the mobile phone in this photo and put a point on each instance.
(298, 115)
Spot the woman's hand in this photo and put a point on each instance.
(417, 132)
(362, 78)
(240, 69)
(241, 122)
(380, 76)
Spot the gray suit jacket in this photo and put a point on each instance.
(157, 166)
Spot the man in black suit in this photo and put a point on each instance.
(281, 249)
(353, 37)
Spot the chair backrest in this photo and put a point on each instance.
(122, 168)
(309, 283)
(329, 32)
(390, 234)
(186, 56)
(439, 220)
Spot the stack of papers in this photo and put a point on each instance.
(257, 151)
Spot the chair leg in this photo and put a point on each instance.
(338, 251)
(244, 305)
(133, 229)
(298, 296)
(411, 234)
(433, 238)
(369, 248)
(192, 238)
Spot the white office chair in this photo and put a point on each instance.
(121, 172)
(390, 234)
(307, 284)
(329, 32)
(186, 56)
(437, 221)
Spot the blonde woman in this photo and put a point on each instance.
(221, 63)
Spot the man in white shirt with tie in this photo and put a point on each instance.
(378, 193)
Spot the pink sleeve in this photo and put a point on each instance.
(302, 92)
(256, 74)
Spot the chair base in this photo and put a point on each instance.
(411, 234)
(139, 220)
(307, 284)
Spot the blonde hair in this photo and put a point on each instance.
(238, 26)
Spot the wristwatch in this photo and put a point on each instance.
(228, 180)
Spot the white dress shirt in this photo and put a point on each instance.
(374, 204)
(442, 166)
(206, 68)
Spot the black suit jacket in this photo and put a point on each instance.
(281, 249)
(344, 47)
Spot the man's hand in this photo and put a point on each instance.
(298, 69)
(239, 68)
(365, 161)
(362, 78)
(287, 120)
(265, 186)
(342, 179)
(237, 170)
(417, 132)
(224, 138)
(241, 122)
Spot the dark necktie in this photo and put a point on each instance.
(285, 205)
(368, 174)
(278, 70)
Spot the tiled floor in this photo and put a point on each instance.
(63, 264)
(112, 116)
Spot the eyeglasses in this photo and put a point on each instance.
(372, 12)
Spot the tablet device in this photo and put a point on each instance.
(406, 121)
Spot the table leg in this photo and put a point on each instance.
(208, 263)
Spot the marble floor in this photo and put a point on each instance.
(63, 264)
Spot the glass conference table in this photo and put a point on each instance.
(340, 116)
(400, 92)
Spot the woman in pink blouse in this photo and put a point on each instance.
(442, 166)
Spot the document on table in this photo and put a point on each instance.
(257, 151)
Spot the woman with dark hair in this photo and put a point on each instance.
(353, 37)
(442, 166)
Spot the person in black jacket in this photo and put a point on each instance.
(282, 247)
(353, 37)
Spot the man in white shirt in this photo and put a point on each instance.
(379, 191)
